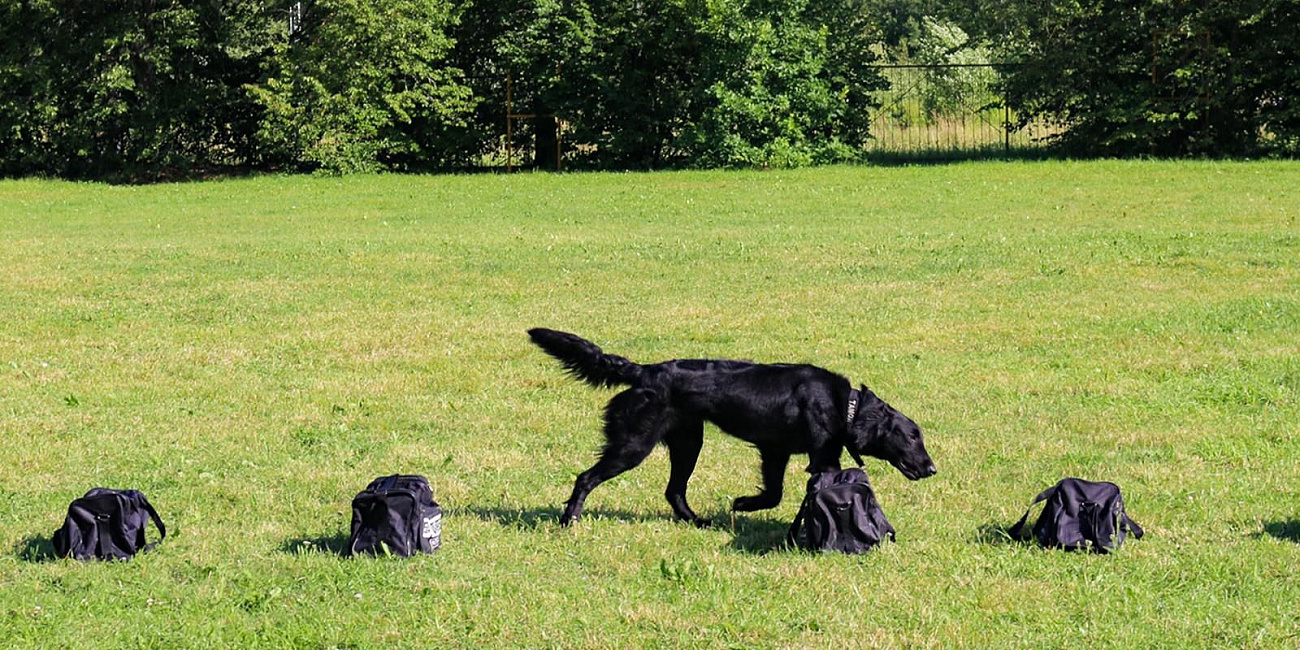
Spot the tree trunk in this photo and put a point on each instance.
(546, 142)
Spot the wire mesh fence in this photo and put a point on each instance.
(924, 113)
(949, 111)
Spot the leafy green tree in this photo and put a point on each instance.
(126, 88)
(653, 83)
(1267, 32)
(785, 83)
(736, 82)
(363, 86)
(543, 46)
(1153, 77)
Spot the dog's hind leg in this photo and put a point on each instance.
(774, 464)
(633, 425)
(684, 439)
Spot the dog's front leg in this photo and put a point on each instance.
(826, 459)
(774, 464)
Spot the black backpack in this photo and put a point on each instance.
(840, 513)
(1080, 515)
(107, 525)
(395, 515)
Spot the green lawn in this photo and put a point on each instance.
(250, 353)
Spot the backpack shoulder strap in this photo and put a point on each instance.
(103, 537)
(157, 521)
(1016, 531)
(792, 537)
(1131, 525)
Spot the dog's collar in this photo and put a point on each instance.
(854, 394)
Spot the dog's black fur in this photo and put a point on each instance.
(781, 409)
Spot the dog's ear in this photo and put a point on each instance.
(869, 400)
(863, 430)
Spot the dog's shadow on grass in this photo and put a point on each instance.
(36, 548)
(533, 518)
(1288, 530)
(335, 544)
(757, 536)
(749, 535)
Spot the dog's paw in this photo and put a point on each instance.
(695, 520)
(750, 504)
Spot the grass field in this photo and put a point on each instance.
(250, 353)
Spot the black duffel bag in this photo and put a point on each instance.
(840, 513)
(107, 525)
(395, 515)
(1079, 515)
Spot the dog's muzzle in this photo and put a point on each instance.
(916, 473)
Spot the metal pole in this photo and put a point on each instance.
(509, 125)
(1006, 128)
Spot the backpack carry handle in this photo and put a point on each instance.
(1016, 531)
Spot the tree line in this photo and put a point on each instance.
(157, 88)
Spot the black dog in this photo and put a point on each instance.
(781, 409)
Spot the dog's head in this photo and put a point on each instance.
(880, 431)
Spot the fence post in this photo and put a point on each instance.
(1006, 129)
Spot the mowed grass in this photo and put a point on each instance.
(250, 353)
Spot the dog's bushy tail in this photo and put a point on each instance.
(584, 359)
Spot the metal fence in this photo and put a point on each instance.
(924, 113)
(949, 111)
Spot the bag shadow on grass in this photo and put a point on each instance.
(1288, 530)
(995, 534)
(36, 548)
(335, 544)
